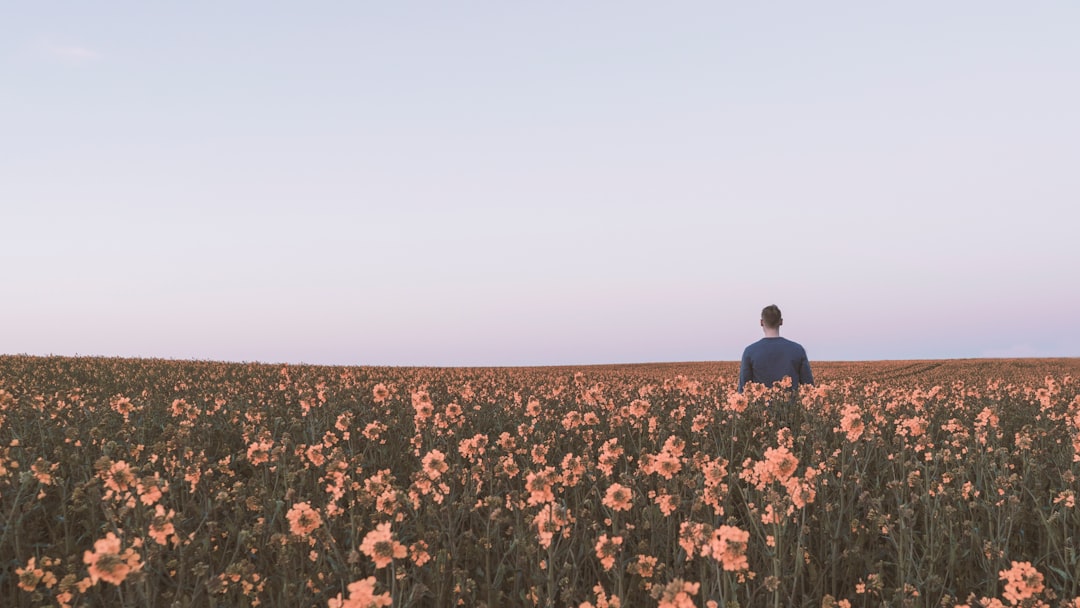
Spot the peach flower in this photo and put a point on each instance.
(303, 520)
(618, 497)
(361, 595)
(380, 546)
(107, 563)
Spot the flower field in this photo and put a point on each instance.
(180, 483)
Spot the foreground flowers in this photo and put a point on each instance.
(636, 486)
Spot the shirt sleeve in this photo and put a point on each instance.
(805, 375)
(746, 370)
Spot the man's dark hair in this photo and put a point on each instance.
(771, 316)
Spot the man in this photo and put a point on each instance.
(773, 358)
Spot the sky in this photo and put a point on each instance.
(538, 183)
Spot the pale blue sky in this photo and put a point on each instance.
(512, 183)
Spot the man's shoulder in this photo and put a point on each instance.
(793, 345)
(772, 345)
(753, 346)
(778, 343)
(796, 351)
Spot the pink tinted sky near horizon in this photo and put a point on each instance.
(502, 184)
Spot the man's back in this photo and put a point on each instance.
(772, 359)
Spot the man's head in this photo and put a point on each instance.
(770, 317)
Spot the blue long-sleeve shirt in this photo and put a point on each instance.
(771, 359)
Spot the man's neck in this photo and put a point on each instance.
(772, 333)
